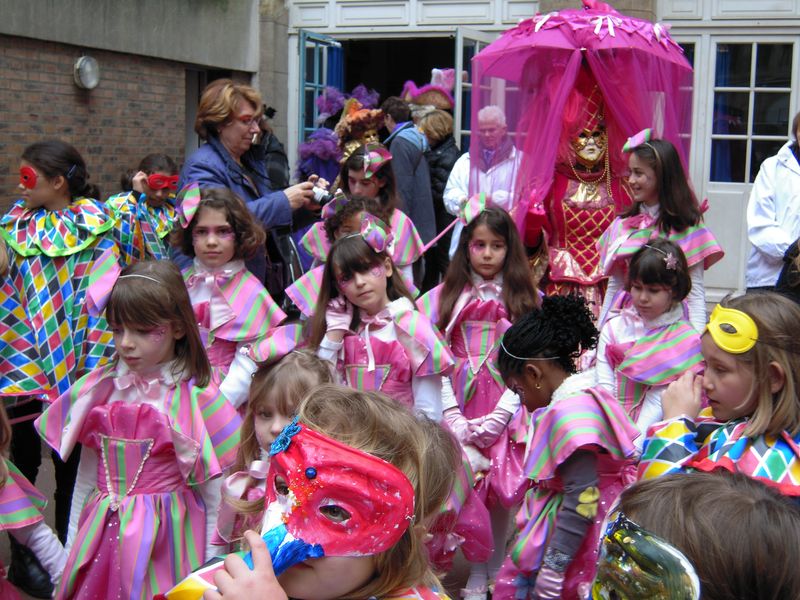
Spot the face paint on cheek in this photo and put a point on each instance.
(157, 334)
(476, 247)
(378, 271)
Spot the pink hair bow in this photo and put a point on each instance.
(337, 203)
(188, 202)
(104, 275)
(473, 207)
(375, 156)
(375, 233)
(640, 138)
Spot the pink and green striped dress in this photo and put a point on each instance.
(579, 417)
(156, 440)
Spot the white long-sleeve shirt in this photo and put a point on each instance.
(497, 182)
(773, 216)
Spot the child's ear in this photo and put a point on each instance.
(388, 264)
(59, 182)
(178, 331)
(777, 377)
(534, 373)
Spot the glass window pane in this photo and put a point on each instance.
(774, 65)
(310, 63)
(308, 116)
(728, 160)
(762, 149)
(465, 137)
(730, 112)
(688, 51)
(733, 65)
(770, 113)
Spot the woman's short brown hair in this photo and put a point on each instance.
(219, 101)
(250, 236)
(436, 126)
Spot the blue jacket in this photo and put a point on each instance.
(211, 165)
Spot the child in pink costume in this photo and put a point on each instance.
(649, 344)
(664, 206)
(487, 285)
(367, 173)
(367, 325)
(277, 389)
(580, 453)
(342, 216)
(155, 435)
(232, 307)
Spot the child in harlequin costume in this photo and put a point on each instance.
(579, 458)
(751, 348)
(367, 172)
(366, 324)
(275, 393)
(232, 307)
(488, 284)
(56, 233)
(352, 537)
(586, 193)
(21, 507)
(145, 211)
(649, 343)
(156, 435)
(664, 205)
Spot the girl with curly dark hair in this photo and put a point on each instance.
(580, 454)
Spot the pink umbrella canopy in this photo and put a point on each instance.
(532, 71)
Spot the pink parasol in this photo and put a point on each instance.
(531, 70)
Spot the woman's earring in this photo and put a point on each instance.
(538, 385)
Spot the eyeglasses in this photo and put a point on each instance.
(248, 120)
(158, 181)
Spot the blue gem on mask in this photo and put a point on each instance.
(283, 440)
(311, 473)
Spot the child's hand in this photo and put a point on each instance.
(236, 580)
(339, 314)
(683, 396)
(138, 181)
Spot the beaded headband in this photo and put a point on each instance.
(503, 346)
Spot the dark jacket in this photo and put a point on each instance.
(440, 162)
(211, 165)
(408, 146)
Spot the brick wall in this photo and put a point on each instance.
(137, 108)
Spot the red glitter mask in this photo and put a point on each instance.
(28, 177)
(157, 181)
(349, 502)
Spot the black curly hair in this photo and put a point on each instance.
(561, 329)
(355, 205)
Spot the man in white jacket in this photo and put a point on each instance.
(773, 213)
(496, 171)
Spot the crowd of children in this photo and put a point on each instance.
(385, 430)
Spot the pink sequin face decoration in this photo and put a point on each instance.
(144, 348)
(376, 272)
(349, 502)
(28, 177)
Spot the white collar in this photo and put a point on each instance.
(668, 318)
(229, 268)
(574, 384)
(477, 280)
(168, 373)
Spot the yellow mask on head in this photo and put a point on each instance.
(732, 330)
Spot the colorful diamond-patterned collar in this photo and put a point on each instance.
(55, 233)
